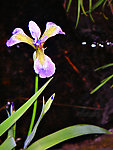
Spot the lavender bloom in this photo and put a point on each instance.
(43, 65)
(46, 69)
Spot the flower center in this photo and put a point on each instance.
(40, 54)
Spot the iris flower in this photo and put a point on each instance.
(43, 64)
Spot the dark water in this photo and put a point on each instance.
(73, 103)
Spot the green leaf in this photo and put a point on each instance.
(4, 126)
(90, 8)
(65, 134)
(48, 103)
(45, 108)
(103, 7)
(97, 4)
(100, 85)
(12, 130)
(82, 7)
(8, 144)
(68, 6)
(78, 14)
(105, 66)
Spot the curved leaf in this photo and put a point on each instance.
(4, 126)
(100, 85)
(105, 66)
(65, 134)
(78, 14)
(90, 8)
(8, 144)
(103, 7)
(82, 7)
(68, 6)
(97, 4)
(45, 108)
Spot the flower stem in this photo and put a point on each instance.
(35, 106)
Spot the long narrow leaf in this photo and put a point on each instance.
(82, 7)
(8, 144)
(12, 130)
(90, 8)
(65, 134)
(4, 126)
(105, 66)
(100, 85)
(97, 4)
(78, 14)
(103, 7)
(45, 108)
(68, 6)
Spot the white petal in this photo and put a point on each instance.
(34, 30)
(51, 30)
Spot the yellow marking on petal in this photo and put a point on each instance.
(49, 32)
(24, 38)
(40, 54)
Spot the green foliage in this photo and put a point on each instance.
(50, 140)
(45, 108)
(91, 8)
(68, 6)
(103, 81)
(15, 116)
(105, 66)
(8, 144)
(65, 134)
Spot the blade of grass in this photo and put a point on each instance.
(78, 14)
(68, 6)
(100, 85)
(12, 130)
(105, 66)
(97, 4)
(65, 134)
(45, 108)
(90, 7)
(4, 126)
(82, 7)
(103, 7)
(8, 144)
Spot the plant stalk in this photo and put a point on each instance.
(34, 107)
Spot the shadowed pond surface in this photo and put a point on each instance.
(75, 63)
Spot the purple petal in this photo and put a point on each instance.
(13, 40)
(35, 31)
(46, 70)
(19, 36)
(58, 28)
(51, 30)
(18, 30)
